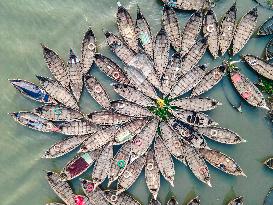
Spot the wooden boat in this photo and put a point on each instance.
(269, 50)
(169, 76)
(186, 5)
(61, 188)
(78, 165)
(143, 140)
(107, 118)
(210, 79)
(96, 196)
(57, 66)
(33, 121)
(131, 94)
(191, 59)
(88, 51)
(210, 29)
(77, 127)
(122, 51)
(126, 28)
(110, 68)
(154, 202)
(188, 81)
(220, 134)
(266, 28)
(269, 163)
(247, 90)
(164, 160)
(194, 201)
(227, 29)
(97, 91)
(194, 118)
(161, 51)
(144, 33)
(140, 82)
(260, 66)
(195, 104)
(75, 75)
(237, 201)
(244, 30)
(32, 91)
(222, 162)
(130, 174)
(122, 198)
(58, 92)
(130, 109)
(64, 146)
(171, 26)
(191, 31)
(172, 201)
(269, 197)
(188, 134)
(57, 113)
(152, 175)
(119, 162)
(103, 165)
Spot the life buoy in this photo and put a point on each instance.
(210, 28)
(177, 144)
(150, 166)
(98, 89)
(114, 198)
(116, 75)
(127, 174)
(121, 163)
(91, 46)
(203, 170)
(138, 142)
(90, 187)
(213, 132)
(216, 75)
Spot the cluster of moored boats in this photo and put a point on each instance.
(151, 123)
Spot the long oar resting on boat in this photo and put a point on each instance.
(194, 201)
(32, 91)
(172, 201)
(122, 198)
(269, 163)
(266, 28)
(237, 201)
(260, 66)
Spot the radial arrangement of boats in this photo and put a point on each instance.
(152, 123)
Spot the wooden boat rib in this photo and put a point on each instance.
(164, 160)
(143, 140)
(64, 146)
(102, 165)
(144, 33)
(96, 196)
(210, 79)
(186, 5)
(88, 51)
(244, 30)
(188, 81)
(122, 198)
(35, 122)
(191, 31)
(194, 118)
(58, 92)
(152, 174)
(119, 162)
(131, 94)
(222, 162)
(161, 51)
(237, 201)
(266, 28)
(210, 29)
(220, 134)
(172, 201)
(154, 202)
(171, 26)
(57, 113)
(269, 163)
(107, 118)
(130, 174)
(61, 188)
(97, 91)
(56, 66)
(247, 90)
(126, 28)
(260, 66)
(78, 165)
(227, 29)
(195, 104)
(110, 68)
(194, 201)
(269, 50)
(82, 127)
(32, 91)
(75, 75)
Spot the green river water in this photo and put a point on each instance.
(60, 24)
